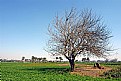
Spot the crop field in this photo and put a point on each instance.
(45, 72)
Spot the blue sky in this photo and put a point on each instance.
(24, 23)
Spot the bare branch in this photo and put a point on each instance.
(76, 34)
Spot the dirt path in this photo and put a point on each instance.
(87, 70)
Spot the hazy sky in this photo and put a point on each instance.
(24, 23)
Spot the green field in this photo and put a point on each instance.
(42, 72)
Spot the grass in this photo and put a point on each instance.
(42, 72)
(114, 73)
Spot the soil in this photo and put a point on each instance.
(88, 70)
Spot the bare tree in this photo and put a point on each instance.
(78, 34)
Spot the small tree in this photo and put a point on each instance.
(60, 58)
(56, 58)
(44, 59)
(40, 59)
(23, 58)
(78, 34)
(33, 59)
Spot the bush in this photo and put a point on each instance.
(114, 73)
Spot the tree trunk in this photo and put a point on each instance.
(71, 61)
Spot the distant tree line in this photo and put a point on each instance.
(60, 58)
(36, 59)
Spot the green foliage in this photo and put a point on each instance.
(41, 72)
(114, 73)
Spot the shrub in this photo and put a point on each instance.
(114, 73)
